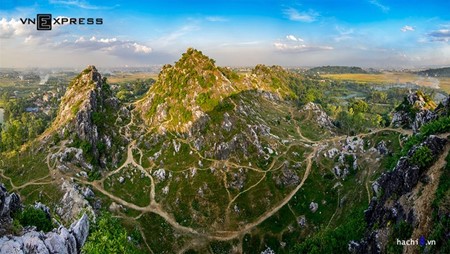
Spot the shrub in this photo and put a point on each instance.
(109, 236)
(422, 157)
(35, 217)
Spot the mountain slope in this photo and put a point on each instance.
(87, 119)
(184, 92)
(194, 85)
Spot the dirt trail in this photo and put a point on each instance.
(228, 235)
(152, 207)
(423, 202)
(156, 208)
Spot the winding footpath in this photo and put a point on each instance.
(156, 208)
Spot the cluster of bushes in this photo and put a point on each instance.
(107, 235)
(31, 216)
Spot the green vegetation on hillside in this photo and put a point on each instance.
(32, 216)
(336, 69)
(107, 235)
(20, 126)
(133, 90)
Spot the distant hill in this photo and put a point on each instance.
(337, 69)
(439, 72)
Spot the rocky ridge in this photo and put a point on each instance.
(418, 109)
(61, 240)
(9, 204)
(85, 121)
(389, 189)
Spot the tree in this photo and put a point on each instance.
(359, 106)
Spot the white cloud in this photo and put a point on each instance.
(239, 44)
(442, 35)
(407, 28)
(284, 47)
(295, 44)
(293, 38)
(112, 46)
(216, 19)
(344, 34)
(295, 15)
(139, 48)
(111, 40)
(382, 7)
(13, 27)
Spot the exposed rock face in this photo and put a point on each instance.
(422, 118)
(320, 116)
(80, 230)
(389, 188)
(9, 204)
(72, 203)
(237, 179)
(86, 99)
(239, 143)
(381, 148)
(61, 240)
(417, 110)
(288, 177)
(400, 119)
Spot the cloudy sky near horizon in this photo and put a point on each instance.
(368, 33)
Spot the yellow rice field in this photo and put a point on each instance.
(394, 77)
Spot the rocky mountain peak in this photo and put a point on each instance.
(195, 59)
(84, 110)
(185, 91)
(193, 86)
(79, 92)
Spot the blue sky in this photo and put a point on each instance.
(368, 33)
